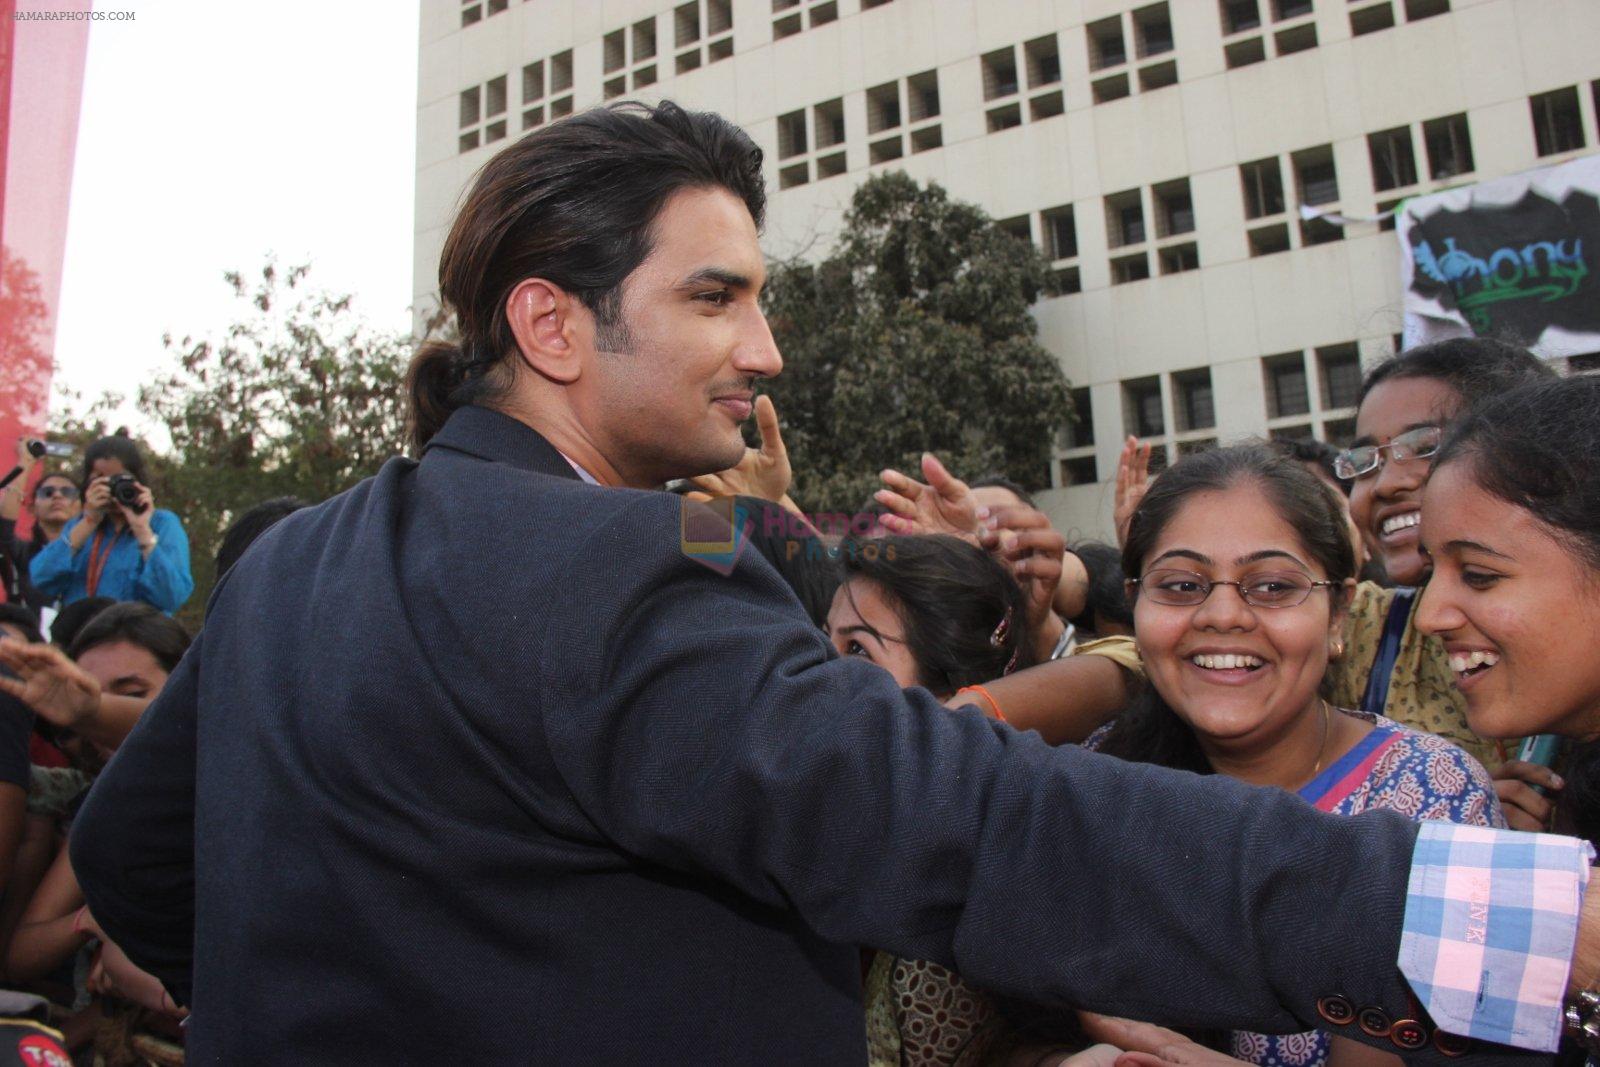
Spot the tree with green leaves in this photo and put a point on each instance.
(914, 335)
(299, 397)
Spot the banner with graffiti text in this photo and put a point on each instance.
(1517, 258)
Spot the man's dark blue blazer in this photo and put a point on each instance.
(472, 764)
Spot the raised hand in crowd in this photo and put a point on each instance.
(1525, 808)
(11, 496)
(1133, 481)
(62, 693)
(943, 504)
(763, 472)
(1022, 538)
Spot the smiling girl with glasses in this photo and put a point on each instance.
(1242, 573)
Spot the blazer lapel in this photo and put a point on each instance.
(479, 431)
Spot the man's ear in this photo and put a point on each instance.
(551, 327)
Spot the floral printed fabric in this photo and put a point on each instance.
(1416, 774)
(922, 1015)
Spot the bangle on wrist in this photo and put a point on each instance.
(994, 705)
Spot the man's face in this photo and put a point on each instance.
(695, 342)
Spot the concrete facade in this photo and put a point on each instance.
(1136, 142)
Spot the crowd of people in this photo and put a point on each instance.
(1364, 628)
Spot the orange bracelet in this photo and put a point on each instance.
(994, 705)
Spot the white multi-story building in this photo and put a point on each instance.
(1158, 152)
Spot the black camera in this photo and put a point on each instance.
(125, 491)
(39, 449)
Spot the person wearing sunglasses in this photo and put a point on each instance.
(1241, 572)
(54, 502)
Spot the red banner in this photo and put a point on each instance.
(41, 90)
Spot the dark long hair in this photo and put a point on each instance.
(1149, 731)
(573, 203)
(1538, 447)
(952, 598)
(120, 448)
(1475, 367)
(138, 624)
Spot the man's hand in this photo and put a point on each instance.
(1524, 808)
(1133, 481)
(941, 505)
(57, 689)
(1023, 539)
(763, 472)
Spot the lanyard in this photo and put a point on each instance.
(97, 561)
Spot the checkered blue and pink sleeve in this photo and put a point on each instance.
(1491, 920)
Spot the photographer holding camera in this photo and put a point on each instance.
(122, 546)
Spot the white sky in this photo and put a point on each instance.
(214, 132)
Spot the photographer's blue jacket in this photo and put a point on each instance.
(163, 580)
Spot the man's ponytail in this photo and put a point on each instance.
(432, 380)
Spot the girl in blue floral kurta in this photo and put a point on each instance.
(1393, 768)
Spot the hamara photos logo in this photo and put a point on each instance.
(714, 532)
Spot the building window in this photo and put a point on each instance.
(1296, 38)
(1193, 407)
(1394, 164)
(474, 11)
(1263, 188)
(1449, 145)
(1125, 218)
(481, 114)
(1080, 432)
(1372, 19)
(1000, 74)
(883, 107)
(1044, 61)
(1134, 268)
(1077, 462)
(922, 95)
(1287, 395)
(1425, 9)
(1141, 407)
(1060, 233)
(1557, 126)
(1106, 46)
(1315, 177)
(1239, 15)
(828, 121)
(1059, 229)
(1152, 30)
(1339, 374)
(1289, 9)
(792, 135)
(1175, 259)
(1174, 208)
(1018, 226)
